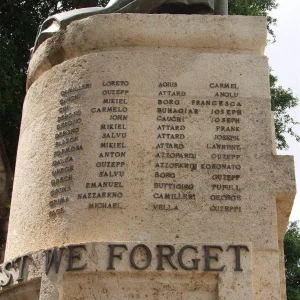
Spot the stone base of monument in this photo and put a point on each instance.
(146, 165)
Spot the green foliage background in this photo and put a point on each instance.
(292, 261)
(19, 21)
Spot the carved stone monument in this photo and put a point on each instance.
(146, 166)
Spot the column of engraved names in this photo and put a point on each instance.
(172, 156)
(224, 147)
(66, 143)
(110, 163)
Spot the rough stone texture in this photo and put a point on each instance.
(69, 74)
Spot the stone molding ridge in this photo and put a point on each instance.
(194, 32)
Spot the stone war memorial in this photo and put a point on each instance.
(146, 166)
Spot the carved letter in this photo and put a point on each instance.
(21, 267)
(51, 255)
(237, 250)
(208, 257)
(195, 265)
(72, 255)
(112, 254)
(7, 273)
(167, 256)
(148, 255)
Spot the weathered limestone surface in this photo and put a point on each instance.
(150, 130)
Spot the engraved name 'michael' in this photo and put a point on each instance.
(105, 205)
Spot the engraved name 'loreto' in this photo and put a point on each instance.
(120, 256)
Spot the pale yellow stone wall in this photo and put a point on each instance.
(153, 130)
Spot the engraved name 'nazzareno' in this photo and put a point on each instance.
(100, 195)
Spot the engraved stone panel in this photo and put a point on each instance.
(163, 144)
